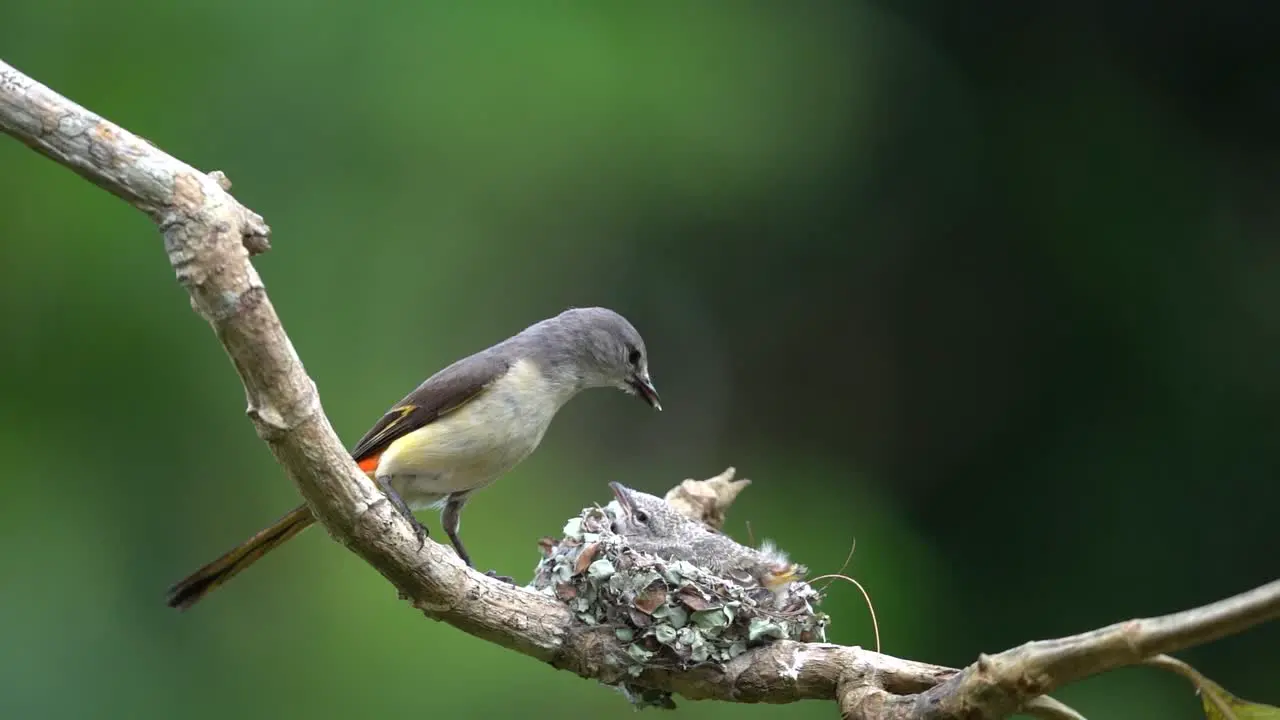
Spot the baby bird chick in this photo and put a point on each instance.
(650, 525)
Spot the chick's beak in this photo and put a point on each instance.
(644, 388)
(623, 496)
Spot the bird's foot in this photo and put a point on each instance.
(500, 578)
(419, 530)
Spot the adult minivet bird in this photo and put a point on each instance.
(467, 425)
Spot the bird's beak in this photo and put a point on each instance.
(644, 388)
(623, 496)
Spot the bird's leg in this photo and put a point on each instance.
(500, 578)
(419, 530)
(451, 519)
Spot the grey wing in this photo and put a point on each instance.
(442, 393)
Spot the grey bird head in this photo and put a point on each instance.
(601, 348)
(648, 517)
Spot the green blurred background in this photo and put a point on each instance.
(990, 287)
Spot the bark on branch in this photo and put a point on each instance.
(209, 237)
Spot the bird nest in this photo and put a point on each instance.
(668, 614)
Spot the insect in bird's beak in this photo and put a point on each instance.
(643, 386)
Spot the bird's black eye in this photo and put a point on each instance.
(633, 355)
(642, 516)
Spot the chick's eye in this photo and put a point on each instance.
(642, 516)
(633, 356)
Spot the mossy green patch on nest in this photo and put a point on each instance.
(671, 614)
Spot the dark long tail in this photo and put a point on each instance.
(195, 586)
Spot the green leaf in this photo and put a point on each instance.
(624, 634)
(600, 569)
(670, 576)
(763, 627)
(638, 653)
(691, 637)
(573, 528)
(1242, 709)
(731, 609)
(711, 620)
(701, 652)
(665, 633)
(564, 571)
(677, 616)
(641, 581)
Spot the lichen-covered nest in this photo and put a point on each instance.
(670, 614)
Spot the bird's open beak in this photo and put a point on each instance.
(623, 496)
(644, 388)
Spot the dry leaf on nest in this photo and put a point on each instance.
(585, 558)
(547, 545)
(707, 500)
(653, 596)
(692, 599)
(639, 619)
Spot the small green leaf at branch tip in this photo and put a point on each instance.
(1240, 709)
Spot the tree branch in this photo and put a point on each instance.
(1202, 684)
(209, 237)
(998, 685)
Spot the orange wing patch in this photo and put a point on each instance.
(369, 461)
(370, 464)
